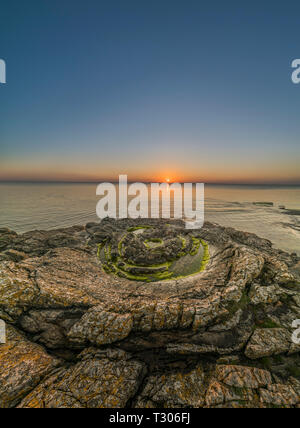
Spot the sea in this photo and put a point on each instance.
(44, 206)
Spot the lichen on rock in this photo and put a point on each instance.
(134, 313)
(23, 365)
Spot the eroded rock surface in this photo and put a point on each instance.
(23, 366)
(220, 386)
(91, 383)
(176, 318)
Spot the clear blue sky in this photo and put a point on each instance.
(186, 89)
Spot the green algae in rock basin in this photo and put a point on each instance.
(151, 254)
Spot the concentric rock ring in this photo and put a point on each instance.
(149, 254)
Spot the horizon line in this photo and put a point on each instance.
(225, 183)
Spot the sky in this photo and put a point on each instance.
(187, 90)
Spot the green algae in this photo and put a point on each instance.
(191, 260)
(268, 324)
(134, 229)
(196, 246)
(153, 243)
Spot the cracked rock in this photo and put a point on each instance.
(268, 341)
(23, 365)
(92, 383)
(175, 318)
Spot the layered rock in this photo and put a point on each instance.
(23, 366)
(94, 382)
(145, 313)
(222, 386)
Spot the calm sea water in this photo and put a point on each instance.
(25, 207)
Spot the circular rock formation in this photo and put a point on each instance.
(152, 253)
(147, 314)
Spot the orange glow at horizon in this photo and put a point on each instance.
(35, 169)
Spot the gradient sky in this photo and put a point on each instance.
(190, 90)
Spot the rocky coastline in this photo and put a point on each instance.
(102, 316)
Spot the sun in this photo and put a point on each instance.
(168, 180)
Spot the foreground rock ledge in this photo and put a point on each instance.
(82, 337)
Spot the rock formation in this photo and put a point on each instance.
(144, 313)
